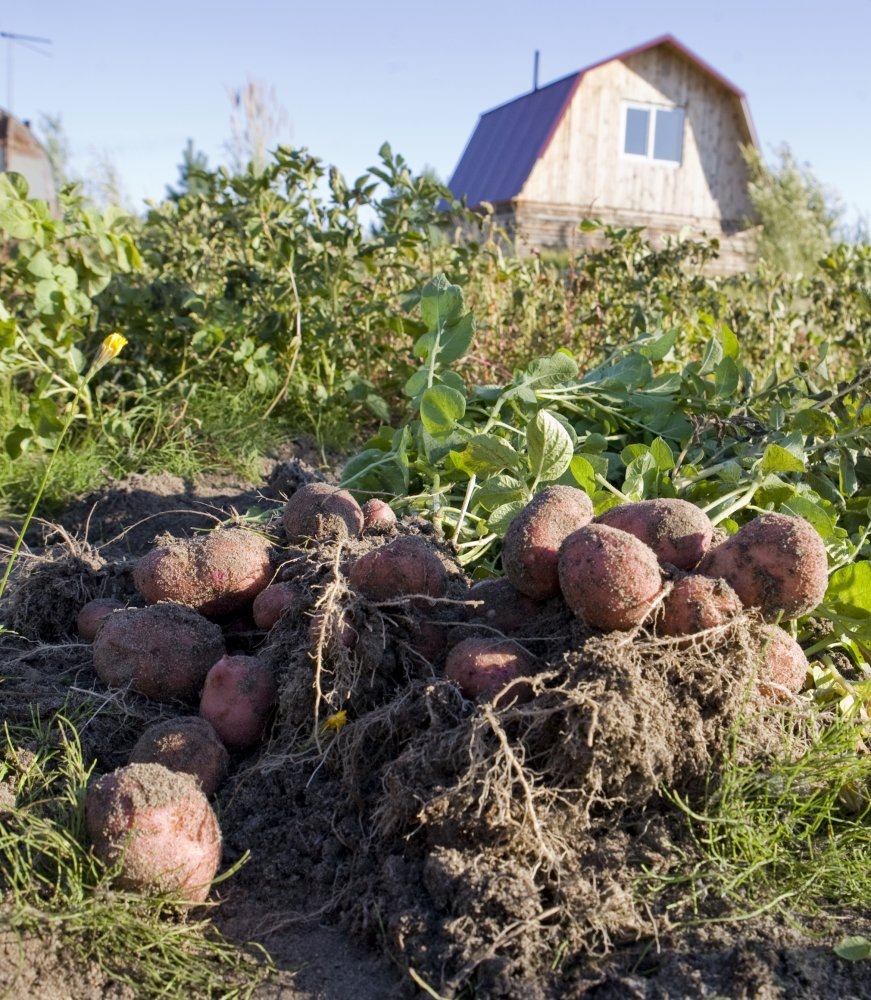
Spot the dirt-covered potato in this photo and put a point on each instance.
(503, 607)
(319, 510)
(378, 517)
(277, 600)
(784, 667)
(405, 567)
(776, 563)
(92, 614)
(530, 550)
(238, 697)
(484, 668)
(189, 744)
(158, 826)
(696, 603)
(608, 577)
(216, 573)
(163, 651)
(677, 531)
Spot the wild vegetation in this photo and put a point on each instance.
(462, 389)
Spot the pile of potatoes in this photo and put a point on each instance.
(654, 563)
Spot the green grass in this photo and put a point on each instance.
(790, 835)
(52, 884)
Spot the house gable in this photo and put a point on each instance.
(560, 145)
(585, 163)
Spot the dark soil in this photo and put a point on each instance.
(428, 846)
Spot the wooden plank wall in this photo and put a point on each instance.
(584, 164)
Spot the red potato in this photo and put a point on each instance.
(163, 651)
(677, 531)
(503, 607)
(158, 826)
(92, 615)
(776, 563)
(188, 744)
(484, 668)
(405, 567)
(215, 574)
(530, 550)
(784, 666)
(277, 600)
(378, 517)
(239, 695)
(696, 603)
(319, 510)
(608, 577)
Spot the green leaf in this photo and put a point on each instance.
(499, 490)
(503, 516)
(662, 454)
(853, 949)
(850, 589)
(549, 446)
(815, 423)
(813, 513)
(40, 265)
(441, 303)
(486, 453)
(712, 357)
(441, 408)
(456, 339)
(584, 474)
(16, 440)
(543, 373)
(727, 378)
(424, 344)
(416, 384)
(729, 342)
(657, 350)
(777, 459)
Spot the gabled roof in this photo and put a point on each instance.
(509, 139)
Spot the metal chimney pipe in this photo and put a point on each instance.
(535, 71)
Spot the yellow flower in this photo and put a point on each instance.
(335, 722)
(110, 348)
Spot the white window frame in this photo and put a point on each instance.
(651, 109)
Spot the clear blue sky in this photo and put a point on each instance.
(133, 81)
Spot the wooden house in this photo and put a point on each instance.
(650, 137)
(22, 153)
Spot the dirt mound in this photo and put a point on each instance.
(484, 852)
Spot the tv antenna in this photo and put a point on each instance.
(26, 41)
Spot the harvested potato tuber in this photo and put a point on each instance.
(484, 668)
(405, 567)
(378, 517)
(319, 510)
(277, 600)
(530, 550)
(608, 577)
(238, 697)
(677, 531)
(776, 563)
(189, 744)
(92, 615)
(784, 665)
(217, 573)
(158, 826)
(163, 651)
(503, 607)
(696, 603)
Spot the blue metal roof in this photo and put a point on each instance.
(507, 142)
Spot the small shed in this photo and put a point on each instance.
(21, 152)
(650, 137)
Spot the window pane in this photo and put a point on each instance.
(668, 137)
(637, 122)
